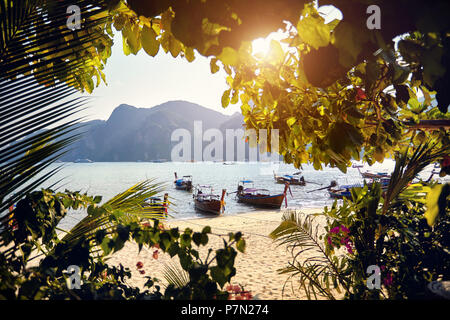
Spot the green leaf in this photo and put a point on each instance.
(314, 32)
(218, 275)
(132, 35)
(276, 53)
(149, 42)
(240, 245)
(213, 65)
(226, 98)
(189, 54)
(349, 43)
(291, 121)
(126, 47)
(229, 56)
(206, 229)
(436, 202)
(197, 237)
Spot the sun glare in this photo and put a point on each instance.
(261, 46)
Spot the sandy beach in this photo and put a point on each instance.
(256, 268)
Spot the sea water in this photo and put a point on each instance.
(110, 178)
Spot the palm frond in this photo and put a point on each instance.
(124, 208)
(175, 275)
(407, 167)
(42, 65)
(311, 266)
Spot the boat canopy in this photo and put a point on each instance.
(349, 186)
(246, 181)
(153, 200)
(253, 190)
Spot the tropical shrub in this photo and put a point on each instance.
(105, 230)
(404, 231)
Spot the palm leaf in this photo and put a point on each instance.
(175, 275)
(407, 167)
(125, 207)
(42, 64)
(310, 264)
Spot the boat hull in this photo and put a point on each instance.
(209, 206)
(184, 187)
(280, 180)
(340, 195)
(274, 201)
(297, 183)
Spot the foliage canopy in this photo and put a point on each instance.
(334, 89)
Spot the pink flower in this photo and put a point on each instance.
(335, 230)
(388, 280)
(329, 241)
(344, 229)
(349, 248)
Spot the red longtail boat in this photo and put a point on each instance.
(259, 197)
(206, 201)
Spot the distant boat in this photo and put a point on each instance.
(342, 191)
(345, 190)
(259, 197)
(369, 175)
(206, 201)
(154, 205)
(185, 183)
(229, 163)
(83, 161)
(294, 179)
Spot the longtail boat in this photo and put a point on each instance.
(345, 190)
(206, 201)
(155, 205)
(294, 179)
(259, 197)
(369, 175)
(342, 192)
(185, 183)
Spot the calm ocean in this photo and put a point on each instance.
(109, 178)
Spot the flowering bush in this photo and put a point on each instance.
(403, 230)
(338, 236)
(237, 292)
(88, 244)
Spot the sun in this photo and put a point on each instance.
(261, 46)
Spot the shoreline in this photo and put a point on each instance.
(256, 269)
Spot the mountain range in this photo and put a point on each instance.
(144, 134)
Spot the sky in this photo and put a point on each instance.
(144, 81)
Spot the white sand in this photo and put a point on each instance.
(256, 268)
